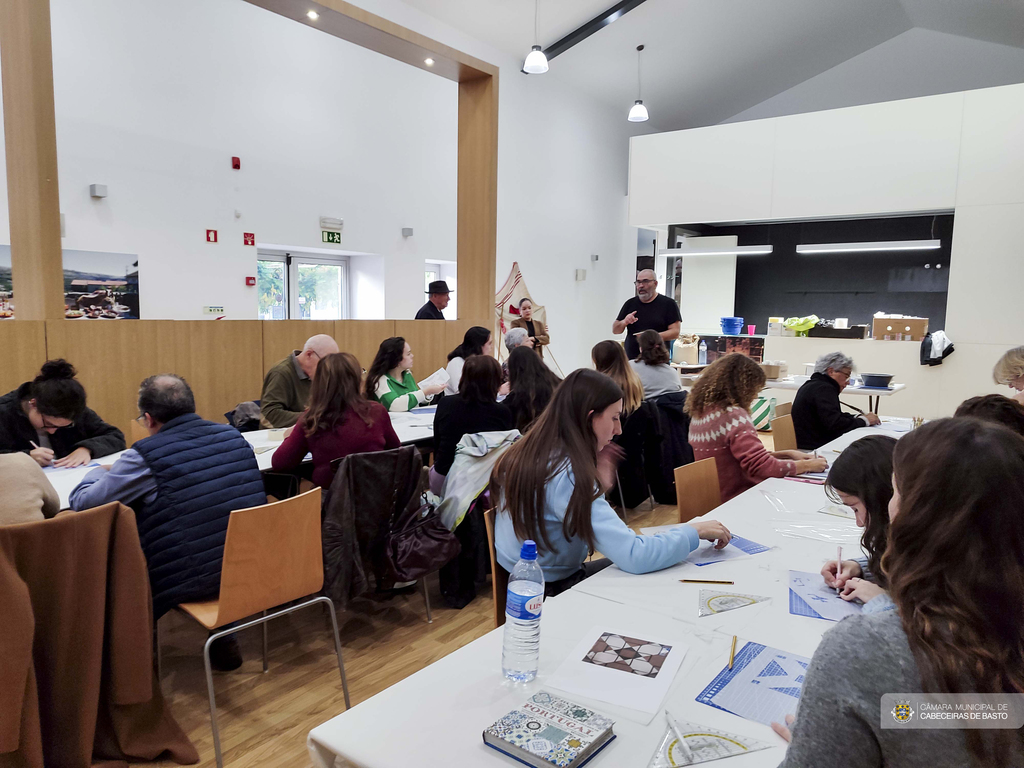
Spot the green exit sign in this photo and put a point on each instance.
(331, 237)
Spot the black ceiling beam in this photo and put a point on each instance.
(577, 36)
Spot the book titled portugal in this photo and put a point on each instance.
(548, 731)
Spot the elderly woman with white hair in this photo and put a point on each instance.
(1010, 371)
(818, 417)
(516, 337)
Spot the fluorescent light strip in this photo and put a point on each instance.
(736, 250)
(881, 245)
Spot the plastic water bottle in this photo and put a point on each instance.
(702, 353)
(520, 653)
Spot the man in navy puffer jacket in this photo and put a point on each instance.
(183, 481)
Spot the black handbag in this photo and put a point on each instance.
(418, 543)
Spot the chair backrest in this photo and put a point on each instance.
(272, 555)
(697, 489)
(499, 577)
(783, 434)
(136, 432)
(783, 409)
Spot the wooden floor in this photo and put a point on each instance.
(264, 718)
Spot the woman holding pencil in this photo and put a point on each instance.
(47, 418)
(549, 487)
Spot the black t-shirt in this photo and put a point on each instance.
(656, 315)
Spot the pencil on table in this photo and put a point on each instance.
(732, 651)
(705, 581)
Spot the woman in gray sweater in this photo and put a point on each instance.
(955, 567)
(657, 376)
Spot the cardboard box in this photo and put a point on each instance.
(899, 328)
(775, 329)
(771, 372)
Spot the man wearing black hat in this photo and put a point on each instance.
(438, 291)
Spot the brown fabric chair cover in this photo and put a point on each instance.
(81, 690)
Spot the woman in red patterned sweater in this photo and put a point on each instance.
(721, 428)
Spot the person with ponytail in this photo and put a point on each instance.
(549, 487)
(954, 563)
(47, 418)
(477, 341)
(861, 478)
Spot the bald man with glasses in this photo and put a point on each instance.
(648, 310)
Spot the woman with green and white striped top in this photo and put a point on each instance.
(390, 381)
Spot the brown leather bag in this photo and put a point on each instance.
(418, 543)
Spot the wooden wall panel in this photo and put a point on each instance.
(112, 358)
(24, 350)
(478, 199)
(222, 361)
(280, 337)
(429, 342)
(31, 145)
(362, 337)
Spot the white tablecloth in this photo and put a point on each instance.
(410, 428)
(441, 711)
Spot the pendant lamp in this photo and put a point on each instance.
(536, 62)
(638, 112)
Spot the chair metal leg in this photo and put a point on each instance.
(213, 701)
(337, 645)
(426, 600)
(156, 649)
(264, 643)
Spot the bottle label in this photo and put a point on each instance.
(525, 607)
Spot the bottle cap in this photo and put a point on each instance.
(529, 551)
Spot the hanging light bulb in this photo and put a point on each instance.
(536, 62)
(638, 112)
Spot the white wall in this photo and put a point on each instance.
(153, 99)
(958, 151)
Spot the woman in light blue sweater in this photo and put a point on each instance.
(550, 487)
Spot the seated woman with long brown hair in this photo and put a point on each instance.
(721, 428)
(549, 488)
(955, 569)
(337, 422)
(652, 366)
(531, 385)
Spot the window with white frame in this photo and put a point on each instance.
(292, 286)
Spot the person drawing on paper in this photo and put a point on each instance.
(955, 567)
(550, 488)
(861, 478)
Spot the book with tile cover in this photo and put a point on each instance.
(549, 731)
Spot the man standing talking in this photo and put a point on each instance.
(648, 310)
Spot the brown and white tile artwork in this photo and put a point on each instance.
(628, 654)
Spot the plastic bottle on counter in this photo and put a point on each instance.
(702, 353)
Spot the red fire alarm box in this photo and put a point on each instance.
(248, 238)
(211, 235)
(250, 281)
(236, 163)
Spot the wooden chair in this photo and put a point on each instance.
(499, 577)
(783, 434)
(783, 409)
(697, 489)
(272, 556)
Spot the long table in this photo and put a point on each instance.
(874, 394)
(411, 427)
(436, 716)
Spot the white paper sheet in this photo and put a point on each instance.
(642, 687)
(438, 377)
(810, 596)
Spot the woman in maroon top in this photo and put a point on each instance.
(337, 422)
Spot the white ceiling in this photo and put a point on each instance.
(706, 61)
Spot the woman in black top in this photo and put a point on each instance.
(47, 419)
(474, 409)
(532, 383)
